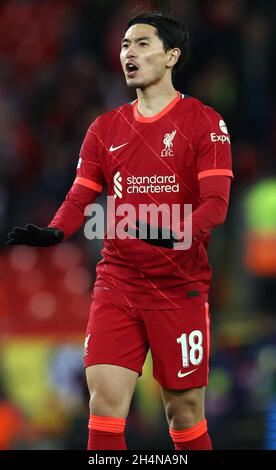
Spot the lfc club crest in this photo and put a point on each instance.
(168, 142)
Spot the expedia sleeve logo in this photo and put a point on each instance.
(223, 137)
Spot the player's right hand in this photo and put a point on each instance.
(34, 236)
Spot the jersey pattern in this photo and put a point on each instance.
(160, 160)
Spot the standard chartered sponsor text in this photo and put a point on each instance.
(152, 184)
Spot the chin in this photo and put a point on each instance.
(136, 84)
(133, 84)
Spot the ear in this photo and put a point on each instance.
(173, 56)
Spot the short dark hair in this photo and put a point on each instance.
(170, 31)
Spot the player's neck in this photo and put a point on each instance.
(152, 100)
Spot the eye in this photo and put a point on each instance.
(124, 46)
(143, 43)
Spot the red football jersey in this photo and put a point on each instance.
(158, 159)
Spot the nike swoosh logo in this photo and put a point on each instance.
(180, 375)
(112, 149)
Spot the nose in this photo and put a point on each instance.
(131, 51)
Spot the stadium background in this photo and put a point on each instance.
(59, 69)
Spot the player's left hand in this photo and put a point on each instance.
(155, 236)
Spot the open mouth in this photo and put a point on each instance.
(131, 70)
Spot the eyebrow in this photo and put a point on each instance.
(141, 38)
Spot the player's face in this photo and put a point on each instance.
(143, 57)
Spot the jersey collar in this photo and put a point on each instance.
(155, 117)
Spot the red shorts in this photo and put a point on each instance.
(179, 340)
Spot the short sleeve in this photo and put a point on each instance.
(213, 147)
(89, 171)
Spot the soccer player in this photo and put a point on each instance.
(162, 148)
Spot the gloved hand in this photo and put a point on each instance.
(143, 232)
(34, 236)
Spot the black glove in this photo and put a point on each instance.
(143, 231)
(34, 236)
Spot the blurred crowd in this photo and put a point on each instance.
(60, 68)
